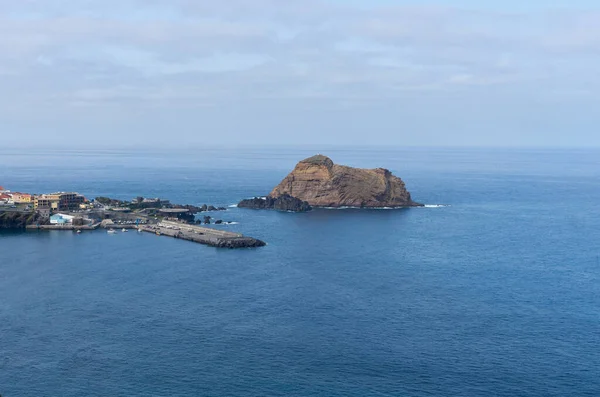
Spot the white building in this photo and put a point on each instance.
(61, 219)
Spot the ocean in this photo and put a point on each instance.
(491, 290)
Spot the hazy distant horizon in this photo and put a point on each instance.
(274, 146)
(429, 73)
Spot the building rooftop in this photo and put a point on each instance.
(64, 216)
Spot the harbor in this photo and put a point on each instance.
(182, 231)
(73, 212)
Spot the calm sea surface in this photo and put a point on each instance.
(497, 294)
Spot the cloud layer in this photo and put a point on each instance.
(130, 69)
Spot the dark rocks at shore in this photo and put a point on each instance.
(20, 220)
(191, 208)
(207, 220)
(195, 210)
(218, 222)
(240, 242)
(284, 202)
(206, 208)
(186, 217)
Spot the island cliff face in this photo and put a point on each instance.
(321, 183)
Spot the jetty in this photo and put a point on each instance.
(196, 234)
(202, 235)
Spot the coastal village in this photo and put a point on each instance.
(47, 206)
(73, 211)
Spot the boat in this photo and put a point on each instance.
(124, 230)
(78, 231)
(140, 230)
(111, 231)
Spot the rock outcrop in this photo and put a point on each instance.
(321, 183)
(20, 220)
(240, 242)
(283, 202)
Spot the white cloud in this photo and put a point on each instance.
(186, 53)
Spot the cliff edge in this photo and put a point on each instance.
(322, 183)
(19, 220)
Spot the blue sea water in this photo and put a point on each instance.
(496, 294)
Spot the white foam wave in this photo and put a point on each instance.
(435, 206)
(233, 206)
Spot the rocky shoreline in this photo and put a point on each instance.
(284, 202)
(20, 220)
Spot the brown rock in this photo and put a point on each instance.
(322, 183)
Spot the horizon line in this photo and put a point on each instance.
(316, 146)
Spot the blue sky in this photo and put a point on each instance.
(433, 72)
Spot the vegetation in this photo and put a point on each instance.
(109, 201)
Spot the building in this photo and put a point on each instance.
(46, 201)
(22, 198)
(155, 201)
(61, 201)
(61, 219)
(4, 198)
(68, 201)
(43, 212)
(3, 190)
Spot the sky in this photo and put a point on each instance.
(300, 72)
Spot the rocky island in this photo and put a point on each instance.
(318, 182)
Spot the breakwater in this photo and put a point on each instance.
(203, 235)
